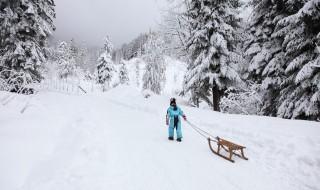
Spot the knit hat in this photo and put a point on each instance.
(173, 101)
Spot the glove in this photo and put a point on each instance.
(167, 122)
(184, 117)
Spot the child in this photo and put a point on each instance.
(173, 120)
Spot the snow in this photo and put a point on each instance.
(174, 76)
(118, 140)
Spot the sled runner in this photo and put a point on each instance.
(229, 147)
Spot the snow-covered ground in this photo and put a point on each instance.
(118, 140)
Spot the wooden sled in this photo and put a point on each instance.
(229, 147)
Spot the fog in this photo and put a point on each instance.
(89, 21)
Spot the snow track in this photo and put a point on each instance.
(118, 140)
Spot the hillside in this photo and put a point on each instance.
(118, 140)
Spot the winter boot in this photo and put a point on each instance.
(170, 138)
(179, 139)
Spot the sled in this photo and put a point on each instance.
(229, 147)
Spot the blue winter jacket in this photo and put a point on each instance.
(171, 113)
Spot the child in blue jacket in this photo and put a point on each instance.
(173, 120)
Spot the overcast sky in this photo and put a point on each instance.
(90, 20)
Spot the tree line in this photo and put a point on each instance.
(275, 52)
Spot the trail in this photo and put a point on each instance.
(118, 140)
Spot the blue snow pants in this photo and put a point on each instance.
(174, 121)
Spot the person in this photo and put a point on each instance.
(173, 120)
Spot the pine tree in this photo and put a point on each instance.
(123, 73)
(66, 61)
(154, 76)
(25, 27)
(300, 31)
(263, 52)
(137, 68)
(212, 47)
(105, 65)
(134, 49)
(282, 56)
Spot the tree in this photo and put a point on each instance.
(137, 69)
(154, 76)
(174, 29)
(300, 31)
(66, 61)
(212, 47)
(105, 65)
(25, 28)
(134, 49)
(123, 73)
(282, 56)
(263, 52)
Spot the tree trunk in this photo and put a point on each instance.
(216, 95)
(198, 102)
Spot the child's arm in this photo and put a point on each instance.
(182, 114)
(167, 118)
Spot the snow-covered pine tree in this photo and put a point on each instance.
(66, 61)
(105, 67)
(25, 27)
(133, 49)
(88, 76)
(263, 52)
(74, 50)
(154, 76)
(211, 45)
(137, 68)
(300, 31)
(123, 73)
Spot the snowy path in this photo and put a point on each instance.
(117, 140)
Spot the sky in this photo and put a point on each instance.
(89, 21)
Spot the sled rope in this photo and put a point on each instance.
(202, 132)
